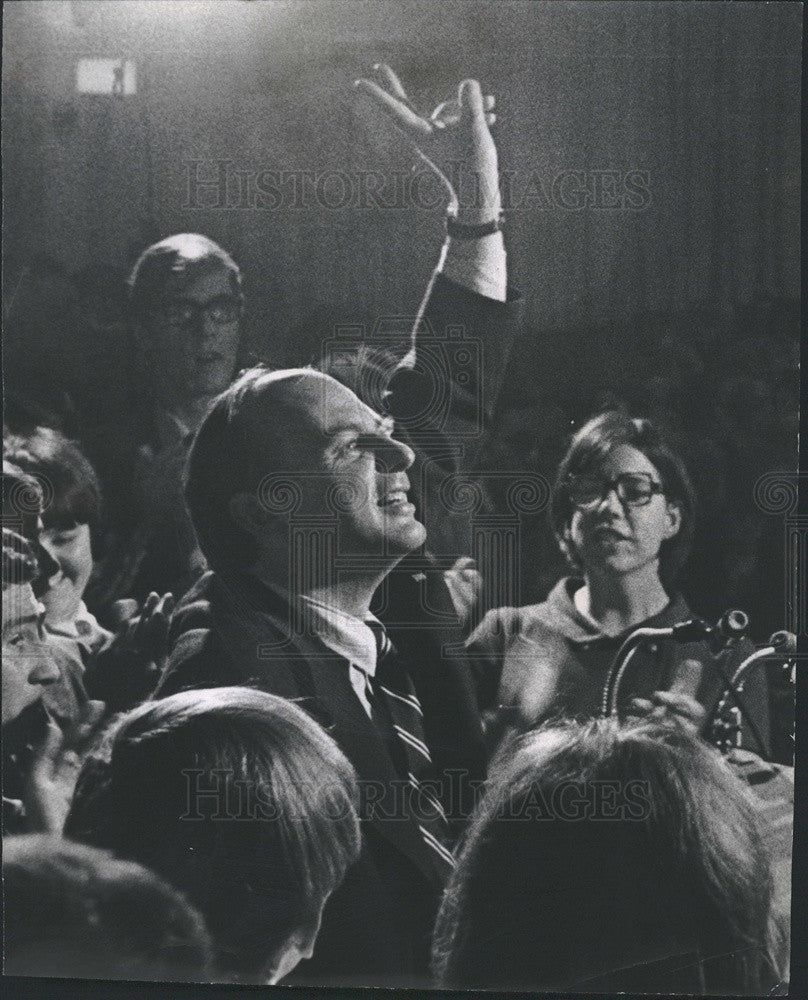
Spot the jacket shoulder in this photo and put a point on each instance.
(217, 639)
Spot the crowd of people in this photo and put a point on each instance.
(259, 725)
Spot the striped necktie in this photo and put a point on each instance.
(393, 688)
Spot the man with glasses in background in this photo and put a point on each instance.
(185, 304)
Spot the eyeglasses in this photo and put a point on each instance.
(634, 489)
(184, 314)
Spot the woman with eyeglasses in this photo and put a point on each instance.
(622, 510)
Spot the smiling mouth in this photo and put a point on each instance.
(611, 534)
(395, 499)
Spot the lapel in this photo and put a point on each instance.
(284, 662)
(430, 642)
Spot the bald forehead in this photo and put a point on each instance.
(304, 399)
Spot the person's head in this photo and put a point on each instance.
(297, 443)
(185, 303)
(622, 500)
(76, 911)
(71, 517)
(243, 802)
(612, 857)
(28, 661)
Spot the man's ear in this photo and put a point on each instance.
(674, 519)
(248, 513)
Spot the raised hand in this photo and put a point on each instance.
(671, 705)
(465, 583)
(144, 636)
(455, 137)
(54, 768)
(127, 670)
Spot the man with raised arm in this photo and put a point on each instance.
(299, 494)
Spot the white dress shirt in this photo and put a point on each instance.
(349, 637)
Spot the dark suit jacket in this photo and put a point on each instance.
(376, 927)
(445, 403)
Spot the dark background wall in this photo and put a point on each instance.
(679, 303)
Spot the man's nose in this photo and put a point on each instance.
(393, 456)
(44, 669)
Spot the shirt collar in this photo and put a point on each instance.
(344, 634)
(562, 615)
(349, 637)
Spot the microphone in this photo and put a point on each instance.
(781, 644)
(784, 642)
(731, 625)
(688, 631)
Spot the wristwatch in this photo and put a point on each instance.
(462, 231)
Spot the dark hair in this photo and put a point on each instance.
(73, 910)
(71, 487)
(236, 446)
(183, 256)
(589, 447)
(260, 856)
(542, 899)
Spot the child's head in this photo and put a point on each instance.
(71, 513)
(239, 798)
(72, 910)
(610, 856)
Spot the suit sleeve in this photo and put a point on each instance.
(462, 346)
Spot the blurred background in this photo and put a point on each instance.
(651, 155)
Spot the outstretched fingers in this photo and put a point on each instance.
(470, 97)
(392, 83)
(401, 113)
